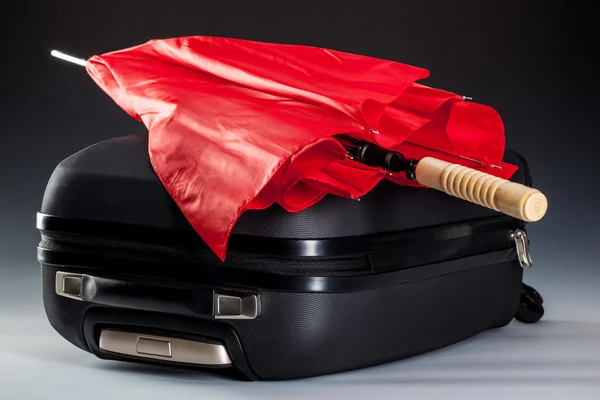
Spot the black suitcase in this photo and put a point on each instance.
(342, 285)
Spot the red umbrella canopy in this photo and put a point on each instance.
(237, 125)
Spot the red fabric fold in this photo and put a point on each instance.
(236, 125)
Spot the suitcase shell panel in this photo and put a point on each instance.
(114, 181)
(306, 334)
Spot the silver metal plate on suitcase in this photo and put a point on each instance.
(163, 348)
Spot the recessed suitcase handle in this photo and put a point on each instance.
(197, 301)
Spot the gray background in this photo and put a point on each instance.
(534, 61)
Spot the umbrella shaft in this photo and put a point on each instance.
(377, 156)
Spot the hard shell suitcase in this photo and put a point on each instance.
(342, 285)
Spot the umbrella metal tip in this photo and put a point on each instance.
(66, 57)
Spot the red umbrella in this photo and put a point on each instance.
(237, 125)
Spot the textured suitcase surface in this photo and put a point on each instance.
(339, 286)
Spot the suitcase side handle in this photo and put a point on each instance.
(164, 298)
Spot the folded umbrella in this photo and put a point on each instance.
(237, 125)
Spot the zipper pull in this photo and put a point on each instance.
(522, 243)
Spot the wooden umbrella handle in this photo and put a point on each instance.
(489, 191)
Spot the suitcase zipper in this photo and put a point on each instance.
(67, 241)
(519, 236)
